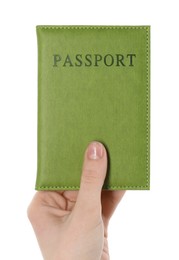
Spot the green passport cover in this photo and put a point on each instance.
(93, 84)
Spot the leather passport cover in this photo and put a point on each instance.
(93, 84)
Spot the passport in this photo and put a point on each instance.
(93, 85)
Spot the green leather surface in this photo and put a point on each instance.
(103, 96)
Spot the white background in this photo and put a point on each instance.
(146, 224)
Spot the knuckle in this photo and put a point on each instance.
(90, 176)
(35, 217)
(31, 213)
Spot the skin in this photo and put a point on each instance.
(72, 225)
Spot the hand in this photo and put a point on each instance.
(72, 225)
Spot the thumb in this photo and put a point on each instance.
(93, 175)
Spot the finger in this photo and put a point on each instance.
(70, 195)
(93, 176)
(110, 200)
